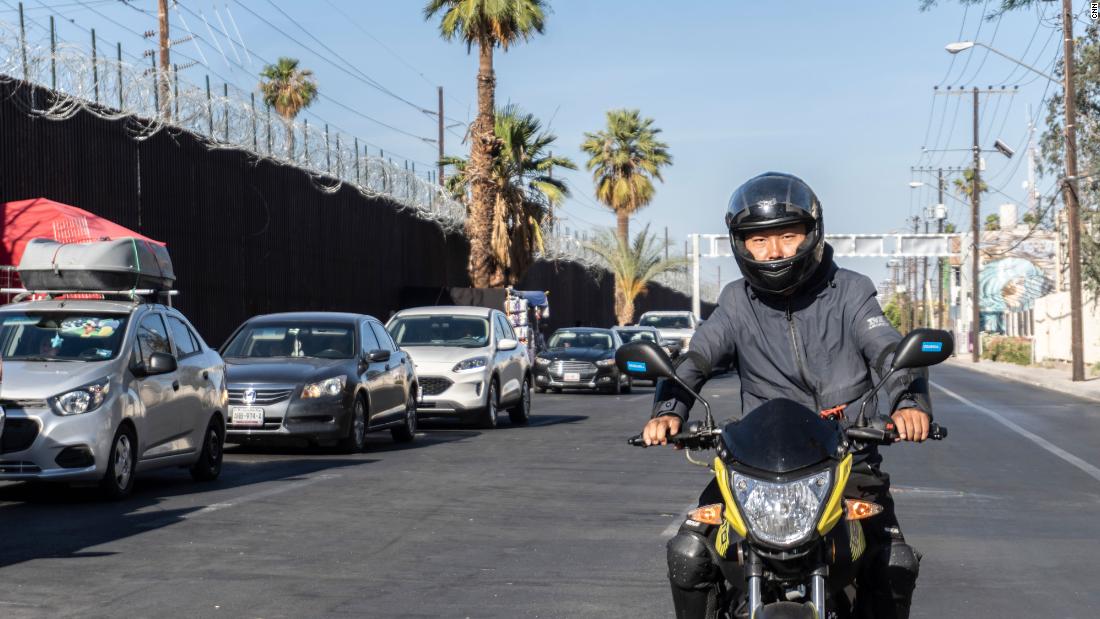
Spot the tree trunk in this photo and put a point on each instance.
(479, 217)
(289, 124)
(624, 307)
(623, 227)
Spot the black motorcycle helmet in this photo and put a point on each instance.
(776, 200)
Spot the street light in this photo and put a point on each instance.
(1069, 191)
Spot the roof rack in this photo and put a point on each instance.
(136, 295)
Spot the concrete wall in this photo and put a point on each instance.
(1052, 328)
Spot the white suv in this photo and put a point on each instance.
(675, 327)
(468, 361)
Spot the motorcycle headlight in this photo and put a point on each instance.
(474, 363)
(603, 363)
(782, 514)
(82, 399)
(328, 387)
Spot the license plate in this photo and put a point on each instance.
(247, 416)
(572, 377)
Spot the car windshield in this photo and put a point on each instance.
(666, 322)
(631, 336)
(599, 340)
(61, 336)
(440, 330)
(268, 340)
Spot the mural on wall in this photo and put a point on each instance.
(1018, 267)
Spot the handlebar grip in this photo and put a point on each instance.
(937, 432)
(636, 441)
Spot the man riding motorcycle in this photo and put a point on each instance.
(796, 327)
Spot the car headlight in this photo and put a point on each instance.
(685, 343)
(603, 363)
(541, 361)
(782, 514)
(473, 363)
(82, 399)
(328, 387)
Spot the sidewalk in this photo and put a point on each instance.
(1053, 379)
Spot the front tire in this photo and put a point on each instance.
(520, 414)
(356, 439)
(407, 432)
(209, 465)
(629, 385)
(118, 480)
(490, 415)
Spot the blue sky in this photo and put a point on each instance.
(839, 93)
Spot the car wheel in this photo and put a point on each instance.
(118, 480)
(616, 387)
(209, 465)
(540, 389)
(556, 389)
(490, 414)
(356, 439)
(407, 432)
(520, 414)
(629, 386)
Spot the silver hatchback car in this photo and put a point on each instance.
(468, 361)
(99, 390)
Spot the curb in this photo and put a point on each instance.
(985, 368)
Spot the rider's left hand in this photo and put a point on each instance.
(912, 424)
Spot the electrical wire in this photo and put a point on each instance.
(992, 40)
(977, 35)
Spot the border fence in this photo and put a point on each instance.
(104, 83)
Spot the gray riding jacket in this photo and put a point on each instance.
(817, 347)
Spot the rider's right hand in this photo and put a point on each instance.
(657, 431)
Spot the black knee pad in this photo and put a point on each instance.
(690, 564)
(903, 567)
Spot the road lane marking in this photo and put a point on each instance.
(1085, 467)
(677, 520)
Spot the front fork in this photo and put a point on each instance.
(754, 572)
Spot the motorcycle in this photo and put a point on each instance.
(782, 470)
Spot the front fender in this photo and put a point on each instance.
(785, 610)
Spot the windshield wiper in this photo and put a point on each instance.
(42, 359)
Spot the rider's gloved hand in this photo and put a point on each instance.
(657, 431)
(912, 424)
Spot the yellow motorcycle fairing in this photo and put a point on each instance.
(834, 508)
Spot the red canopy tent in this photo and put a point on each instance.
(41, 218)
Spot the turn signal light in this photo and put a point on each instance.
(708, 514)
(858, 510)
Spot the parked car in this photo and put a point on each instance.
(325, 377)
(676, 328)
(99, 390)
(469, 362)
(581, 358)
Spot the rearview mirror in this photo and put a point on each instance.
(923, 347)
(378, 355)
(507, 343)
(644, 360)
(160, 363)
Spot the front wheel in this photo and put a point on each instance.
(209, 465)
(490, 415)
(520, 414)
(356, 439)
(407, 432)
(118, 480)
(629, 386)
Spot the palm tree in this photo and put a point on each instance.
(486, 24)
(289, 90)
(624, 159)
(633, 266)
(965, 185)
(524, 188)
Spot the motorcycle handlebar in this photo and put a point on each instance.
(889, 434)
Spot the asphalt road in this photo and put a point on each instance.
(558, 519)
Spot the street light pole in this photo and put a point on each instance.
(942, 310)
(1069, 190)
(975, 209)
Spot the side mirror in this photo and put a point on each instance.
(160, 363)
(644, 360)
(923, 347)
(507, 343)
(378, 356)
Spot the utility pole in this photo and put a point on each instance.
(1069, 190)
(666, 242)
(695, 308)
(439, 92)
(939, 261)
(975, 209)
(925, 306)
(163, 85)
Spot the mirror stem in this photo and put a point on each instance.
(706, 405)
(861, 420)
